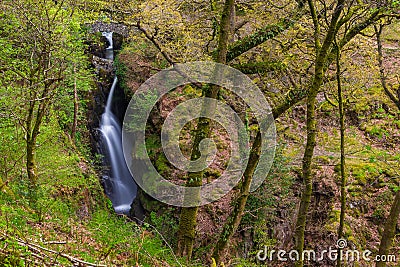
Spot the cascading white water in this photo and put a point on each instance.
(123, 186)
(110, 48)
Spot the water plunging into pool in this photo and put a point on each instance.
(123, 187)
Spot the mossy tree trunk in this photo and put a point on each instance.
(343, 178)
(76, 107)
(390, 229)
(265, 33)
(391, 222)
(38, 106)
(325, 56)
(235, 217)
(30, 162)
(30, 145)
(37, 64)
(188, 217)
(394, 95)
(322, 53)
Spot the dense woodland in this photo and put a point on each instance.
(329, 70)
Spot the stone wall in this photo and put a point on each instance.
(100, 26)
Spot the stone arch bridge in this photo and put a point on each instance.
(100, 26)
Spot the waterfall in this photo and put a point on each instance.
(123, 187)
(110, 48)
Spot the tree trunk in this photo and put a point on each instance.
(390, 229)
(388, 91)
(322, 52)
(187, 231)
(391, 221)
(307, 174)
(30, 161)
(343, 179)
(187, 222)
(76, 106)
(235, 217)
(31, 145)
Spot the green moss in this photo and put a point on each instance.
(162, 165)
(364, 172)
(121, 72)
(354, 188)
(214, 173)
(333, 220)
(324, 160)
(392, 32)
(166, 223)
(379, 214)
(68, 204)
(327, 108)
(191, 92)
(397, 123)
(289, 135)
(376, 131)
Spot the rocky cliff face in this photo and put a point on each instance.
(105, 70)
(97, 98)
(104, 73)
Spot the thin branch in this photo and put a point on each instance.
(162, 237)
(39, 249)
(378, 31)
(155, 43)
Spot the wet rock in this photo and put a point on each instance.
(118, 40)
(147, 204)
(137, 211)
(106, 182)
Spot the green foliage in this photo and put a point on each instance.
(377, 131)
(38, 68)
(13, 256)
(69, 205)
(262, 205)
(77, 75)
(166, 224)
(153, 144)
(379, 214)
(191, 91)
(144, 103)
(162, 165)
(120, 71)
(364, 172)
